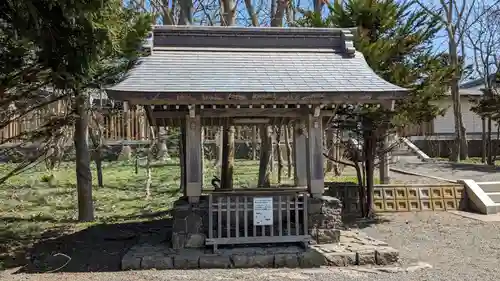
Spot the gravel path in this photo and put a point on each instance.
(456, 247)
(453, 171)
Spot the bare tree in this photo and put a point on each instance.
(456, 17)
(484, 40)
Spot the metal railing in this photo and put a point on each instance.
(232, 217)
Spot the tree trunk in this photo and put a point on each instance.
(330, 145)
(254, 143)
(318, 6)
(98, 165)
(83, 173)
(162, 148)
(361, 189)
(369, 148)
(186, 12)
(251, 13)
(288, 149)
(279, 155)
(272, 150)
(483, 141)
(461, 147)
(489, 144)
(278, 12)
(227, 157)
(219, 143)
(496, 148)
(97, 154)
(228, 12)
(167, 12)
(265, 149)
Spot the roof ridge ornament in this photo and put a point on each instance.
(348, 42)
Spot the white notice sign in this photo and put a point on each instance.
(263, 211)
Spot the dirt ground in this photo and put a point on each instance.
(447, 170)
(457, 249)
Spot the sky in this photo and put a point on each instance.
(210, 7)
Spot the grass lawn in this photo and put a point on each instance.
(31, 210)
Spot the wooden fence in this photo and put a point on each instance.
(134, 126)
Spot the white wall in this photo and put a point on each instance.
(472, 121)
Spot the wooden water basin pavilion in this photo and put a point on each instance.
(235, 76)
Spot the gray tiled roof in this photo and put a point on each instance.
(253, 71)
(294, 66)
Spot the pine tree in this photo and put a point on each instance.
(67, 47)
(396, 40)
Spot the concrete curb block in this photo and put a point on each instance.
(479, 198)
(421, 155)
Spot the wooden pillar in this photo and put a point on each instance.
(299, 154)
(315, 173)
(182, 156)
(194, 176)
(202, 146)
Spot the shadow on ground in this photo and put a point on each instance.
(450, 166)
(96, 248)
(473, 167)
(357, 222)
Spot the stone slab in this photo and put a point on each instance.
(312, 258)
(157, 262)
(341, 258)
(355, 248)
(215, 261)
(130, 262)
(365, 257)
(259, 261)
(386, 256)
(286, 260)
(186, 262)
(324, 236)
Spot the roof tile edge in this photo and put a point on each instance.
(348, 41)
(253, 29)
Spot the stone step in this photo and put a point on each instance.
(494, 196)
(490, 187)
(356, 254)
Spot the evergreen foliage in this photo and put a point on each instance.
(63, 45)
(396, 40)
